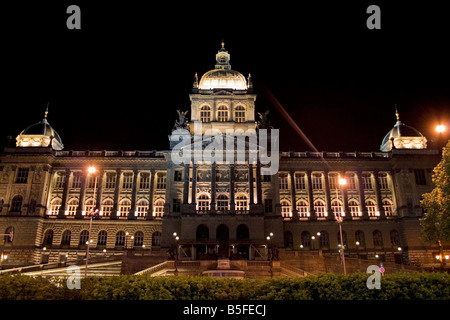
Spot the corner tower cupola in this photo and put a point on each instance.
(40, 134)
(223, 59)
(402, 136)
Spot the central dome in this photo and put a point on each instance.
(223, 79)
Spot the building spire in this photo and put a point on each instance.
(396, 113)
(46, 110)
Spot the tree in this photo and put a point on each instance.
(435, 224)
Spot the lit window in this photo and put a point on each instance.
(382, 180)
(205, 114)
(300, 182)
(161, 181)
(367, 181)
(337, 208)
(241, 203)
(110, 180)
(387, 206)
(239, 114)
(351, 181)
(158, 208)
(72, 207)
(144, 181)
(55, 206)
(371, 208)
(107, 208)
(302, 208)
(222, 203)
(286, 209)
(142, 208)
(317, 181)
(283, 182)
(127, 181)
(89, 207)
(203, 203)
(354, 208)
(222, 114)
(76, 182)
(124, 208)
(319, 208)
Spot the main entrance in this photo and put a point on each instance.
(222, 237)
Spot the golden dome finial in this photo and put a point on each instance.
(46, 110)
(223, 44)
(396, 113)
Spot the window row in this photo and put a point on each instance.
(223, 202)
(318, 181)
(106, 208)
(320, 208)
(121, 238)
(110, 181)
(222, 114)
(322, 239)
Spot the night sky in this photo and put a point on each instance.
(116, 83)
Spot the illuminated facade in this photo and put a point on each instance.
(225, 209)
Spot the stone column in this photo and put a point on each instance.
(232, 201)
(116, 195)
(79, 214)
(378, 196)
(250, 183)
(294, 201)
(99, 192)
(194, 183)
(62, 209)
(131, 215)
(331, 213)
(365, 214)
(312, 212)
(150, 195)
(258, 184)
(186, 184)
(345, 200)
(213, 187)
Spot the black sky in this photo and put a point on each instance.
(116, 83)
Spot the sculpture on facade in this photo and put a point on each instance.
(182, 122)
(264, 123)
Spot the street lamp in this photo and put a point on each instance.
(91, 171)
(339, 219)
(440, 128)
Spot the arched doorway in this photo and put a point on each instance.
(242, 237)
(222, 237)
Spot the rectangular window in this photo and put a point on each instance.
(127, 182)
(351, 181)
(268, 205)
(283, 182)
(176, 205)
(90, 182)
(317, 181)
(177, 175)
(22, 175)
(382, 180)
(110, 180)
(333, 181)
(419, 174)
(300, 182)
(367, 181)
(76, 182)
(59, 180)
(161, 181)
(144, 181)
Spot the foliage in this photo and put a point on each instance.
(436, 221)
(320, 287)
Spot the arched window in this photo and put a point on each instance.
(395, 238)
(324, 240)
(84, 238)
(48, 238)
(344, 237)
(319, 208)
(285, 209)
(89, 206)
(66, 237)
(16, 204)
(55, 206)
(354, 208)
(306, 239)
(222, 114)
(102, 237)
(242, 233)
(241, 203)
(72, 207)
(360, 238)
(9, 235)
(202, 233)
(302, 208)
(142, 207)
(222, 203)
(239, 114)
(138, 239)
(124, 208)
(120, 239)
(158, 208)
(156, 239)
(107, 207)
(205, 114)
(337, 207)
(371, 208)
(288, 239)
(203, 202)
(377, 239)
(387, 206)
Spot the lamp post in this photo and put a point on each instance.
(92, 214)
(176, 238)
(339, 220)
(269, 245)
